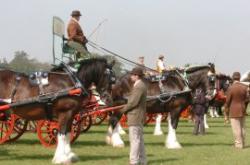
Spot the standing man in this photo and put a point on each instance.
(160, 66)
(199, 108)
(76, 37)
(135, 110)
(235, 108)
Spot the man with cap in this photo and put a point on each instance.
(235, 109)
(160, 66)
(135, 110)
(76, 37)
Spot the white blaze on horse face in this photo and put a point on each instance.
(171, 140)
(158, 130)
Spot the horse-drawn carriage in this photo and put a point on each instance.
(60, 100)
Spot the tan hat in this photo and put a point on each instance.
(76, 13)
(137, 71)
(161, 56)
(236, 76)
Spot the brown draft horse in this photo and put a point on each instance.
(178, 98)
(63, 109)
(221, 82)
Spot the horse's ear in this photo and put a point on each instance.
(112, 63)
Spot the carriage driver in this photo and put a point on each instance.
(78, 41)
(76, 37)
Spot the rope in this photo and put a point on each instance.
(115, 54)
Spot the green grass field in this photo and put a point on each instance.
(216, 147)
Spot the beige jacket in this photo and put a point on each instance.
(136, 106)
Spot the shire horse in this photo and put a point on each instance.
(62, 109)
(178, 96)
(221, 83)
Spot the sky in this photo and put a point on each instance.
(185, 31)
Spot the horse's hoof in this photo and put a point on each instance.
(59, 160)
(122, 132)
(173, 146)
(118, 145)
(108, 140)
(73, 158)
(158, 133)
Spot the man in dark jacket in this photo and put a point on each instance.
(135, 110)
(199, 108)
(76, 37)
(235, 108)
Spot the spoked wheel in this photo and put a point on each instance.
(150, 117)
(19, 128)
(31, 127)
(123, 121)
(47, 131)
(98, 118)
(86, 123)
(6, 126)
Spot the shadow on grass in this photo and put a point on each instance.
(100, 157)
(18, 157)
(4, 152)
(205, 144)
(26, 142)
(78, 144)
(162, 161)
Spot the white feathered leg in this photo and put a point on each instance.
(205, 121)
(108, 135)
(171, 140)
(157, 130)
(60, 156)
(72, 157)
(116, 140)
(120, 129)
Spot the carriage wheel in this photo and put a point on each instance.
(31, 127)
(86, 123)
(149, 118)
(47, 131)
(6, 126)
(19, 128)
(98, 118)
(123, 121)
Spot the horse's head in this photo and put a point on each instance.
(198, 77)
(97, 71)
(223, 82)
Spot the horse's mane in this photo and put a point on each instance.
(92, 60)
(192, 69)
(223, 76)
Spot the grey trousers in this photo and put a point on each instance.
(238, 127)
(83, 53)
(137, 151)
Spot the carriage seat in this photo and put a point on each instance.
(67, 49)
(39, 78)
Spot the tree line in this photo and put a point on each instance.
(22, 62)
